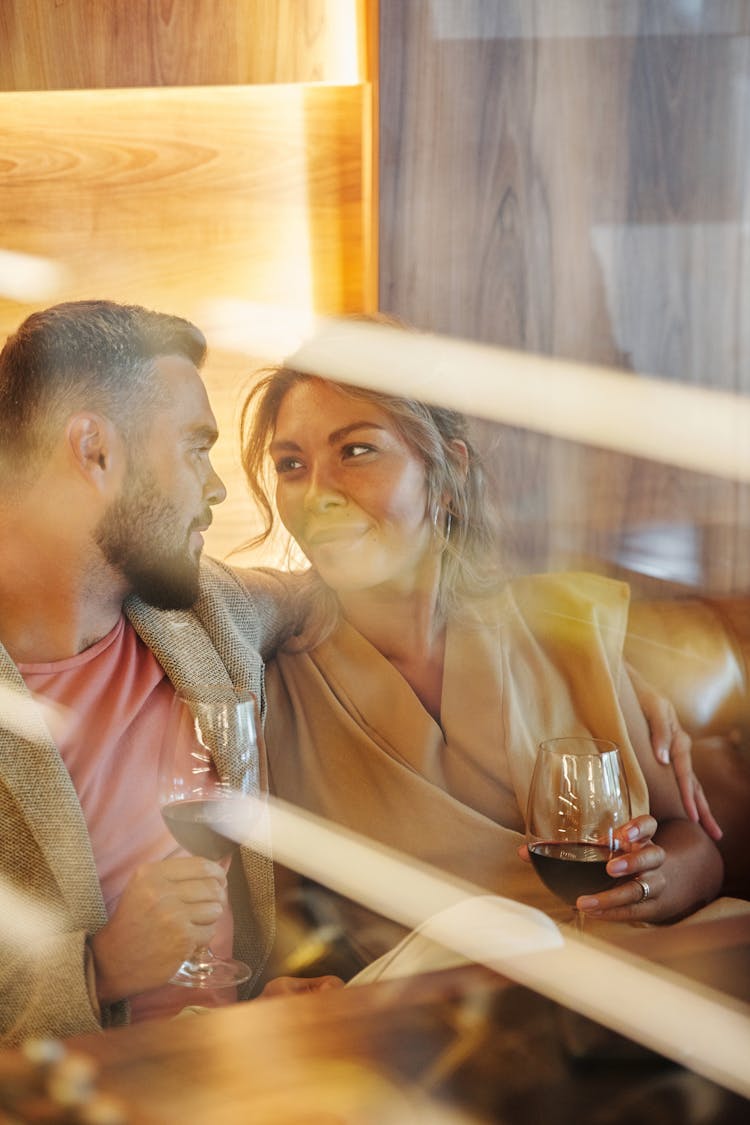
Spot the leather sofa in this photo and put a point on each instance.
(696, 650)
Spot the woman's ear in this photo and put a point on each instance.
(94, 446)
(460, 454)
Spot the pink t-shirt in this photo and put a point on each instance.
(109, 709)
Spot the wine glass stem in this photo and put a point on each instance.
(200, 959)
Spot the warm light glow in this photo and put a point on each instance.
(344, 56)
(28, 277)
(253, 328)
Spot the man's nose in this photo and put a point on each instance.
(216, 492)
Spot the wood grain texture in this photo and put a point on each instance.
(181, 196)
(183, 200)
(568, 185)
(82, 44)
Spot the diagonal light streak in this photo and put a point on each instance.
(695, 428)
(695, 1026)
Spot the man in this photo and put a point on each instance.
(105, 440)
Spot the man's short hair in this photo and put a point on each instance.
(83, 355)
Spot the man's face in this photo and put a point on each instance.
(151, 533)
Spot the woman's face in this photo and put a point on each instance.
(350, 490)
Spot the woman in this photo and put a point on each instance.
(411, 708)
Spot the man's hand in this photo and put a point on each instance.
(284, 986)
(672, 745)
(165, 911)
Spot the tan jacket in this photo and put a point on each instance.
(540, 659)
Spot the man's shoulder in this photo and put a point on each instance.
(225, 589)
(258, 601)
(245, 584)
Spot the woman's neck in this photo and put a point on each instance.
(408, 630)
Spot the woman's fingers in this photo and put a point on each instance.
(640, 882)
(636, 832)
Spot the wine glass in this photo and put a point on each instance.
(578, 796)
(208, 784)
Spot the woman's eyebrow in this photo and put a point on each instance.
(337, 435)
(279, 444)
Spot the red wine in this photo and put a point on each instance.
(572, 869)
(194, 825)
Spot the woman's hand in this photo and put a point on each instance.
(672, 744)
(638, 867)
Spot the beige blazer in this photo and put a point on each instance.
(348, 739)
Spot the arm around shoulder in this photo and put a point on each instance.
(277, 596)
(668, 866)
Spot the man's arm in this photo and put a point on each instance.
(48, 990)
(280, 601)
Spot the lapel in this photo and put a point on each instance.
(180, 644)
(381, 701)
(190, 657)
(39, 783)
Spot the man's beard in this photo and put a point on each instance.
(140, 536)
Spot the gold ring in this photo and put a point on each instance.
(644, 888)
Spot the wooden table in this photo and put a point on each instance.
(460, 1046)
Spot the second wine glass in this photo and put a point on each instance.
(208, 782)
(578, 797)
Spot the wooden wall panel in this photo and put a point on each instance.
(81, 44)
(574, 180)
(182, 196)
(184, 200)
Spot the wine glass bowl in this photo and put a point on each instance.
(578, 798)
(208, 782)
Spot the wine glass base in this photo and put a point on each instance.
(211, 974)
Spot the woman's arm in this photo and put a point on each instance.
(679, 864)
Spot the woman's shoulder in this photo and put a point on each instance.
(554, 587)
(540, 600)
(572, 585)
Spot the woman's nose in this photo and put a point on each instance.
(322, 491)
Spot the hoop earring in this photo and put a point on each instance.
(443, 533)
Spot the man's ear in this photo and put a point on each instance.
(95, 446)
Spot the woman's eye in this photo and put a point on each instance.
(358, 449)
(287, 464)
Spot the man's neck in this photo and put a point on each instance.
(58, 594)
(47, 637)
(52, 609)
